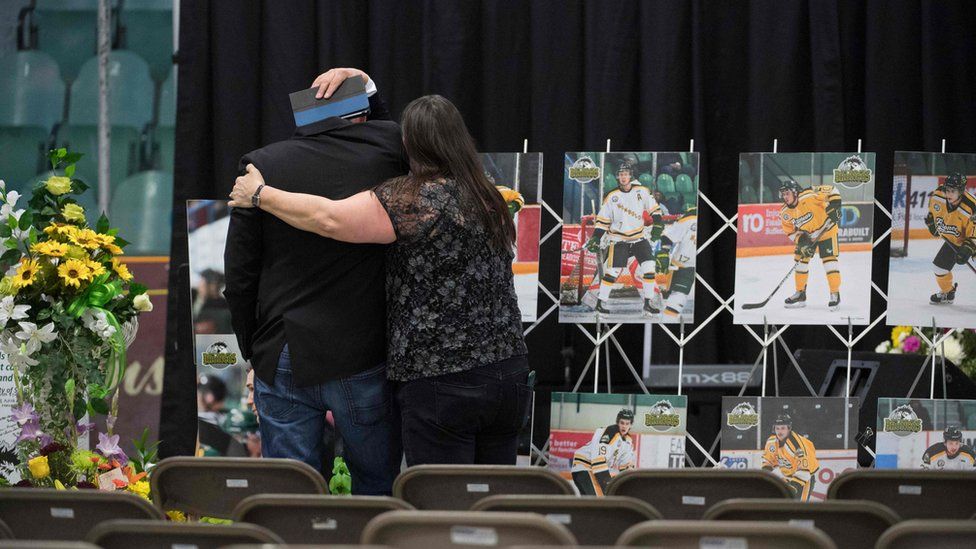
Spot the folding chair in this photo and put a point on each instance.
(688, 493)
(445, 529)
(912, 494)
(315, 519)
(944, 534)
(126, 534)
(212, 487)
(458, 487)
(593, 520)
(848, 523)
(48, 514)
(695, 534)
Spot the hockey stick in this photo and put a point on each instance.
(761, 304)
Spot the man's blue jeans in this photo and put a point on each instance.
(292, 420)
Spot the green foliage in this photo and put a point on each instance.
(145, 454)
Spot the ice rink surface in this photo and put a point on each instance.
(627, 310)
(755, 278)
(911, 282)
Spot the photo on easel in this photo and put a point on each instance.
(926, 434)
(804, 441)
(518, 177)
(595, 437)
(629, 237)
(803, 248)
(932, 269)
(226, 424)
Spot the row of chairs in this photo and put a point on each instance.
(288, 498)
(38, 114)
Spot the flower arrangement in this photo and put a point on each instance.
(68, 311)
(960, 348)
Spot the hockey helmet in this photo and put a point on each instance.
(789, 185)
(956, 182)
(625, 414)
(783, 419)
(627, 166)
(952, 433)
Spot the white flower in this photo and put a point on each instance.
(142, 303)
(953, 350)
(16, 355)
(12, 270)
(3, 185)
(883, 347)
(97, 322)
(8, 208)
(35, 337)
(902, 336)
(19, 235)
(11, 311)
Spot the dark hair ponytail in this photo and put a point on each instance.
(439, 145)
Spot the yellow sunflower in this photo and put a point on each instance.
(73, 272)
(95, 269)
(107, 242)
(86, 238)
(121, 269)
(60, 229)
(25, 273)
(50, 248)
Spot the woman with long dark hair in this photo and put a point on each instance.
(454, 340)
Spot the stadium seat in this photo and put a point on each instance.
(130, 98)
(688, 493)
(444, 529)
(912, 494)
(315, 519)
(33, 103)
(68, 31)
(694, 534)
(665, 183)
(48, 514)
(453, 487)
(142, 209)
(212, 487)
(944, 534)
(646, 180)
(684, 185)
(148, 28)
(165, 134)
(592, 520)
(852, 524)
(126, 534)
(747, 195)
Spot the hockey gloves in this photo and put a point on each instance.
(930, 223)
(805, 246)
(593, 244)
(965, 252)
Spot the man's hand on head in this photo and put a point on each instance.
(330, 80)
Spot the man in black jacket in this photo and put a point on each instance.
(310, 312)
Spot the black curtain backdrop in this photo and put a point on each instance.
(567, 75)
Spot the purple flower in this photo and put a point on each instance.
(24, 414)
(110, 422)
(45, 441)
(83, 428)
(30, 431)
(108, 445)
(911, 344)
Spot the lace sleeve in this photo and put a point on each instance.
(413, 217)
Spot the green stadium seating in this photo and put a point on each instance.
(68, 30)
(141, 208)
(646, 180)
(165, 135)
(131, 92)
(747, 195)
(683, 184)
(33, 102)
(149, 32)
(665, 183)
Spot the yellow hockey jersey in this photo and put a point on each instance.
(810, 212)
(954, 223)
(796, 455)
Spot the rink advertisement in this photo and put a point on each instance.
(804, 441)
(931, 270)
(926, 434)
(804, 238)
(518, 177)
(629, 237)
(594, 437)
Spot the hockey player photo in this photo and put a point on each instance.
(595, 437)
(617, 208)
(926, 434)
(518, 177)
(791, 457)
(804, 441)
(803, 249)
(933, 240)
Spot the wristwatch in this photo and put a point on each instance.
(256, 197)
